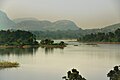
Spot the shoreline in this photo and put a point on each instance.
(108, 42)
(53, 46)
(92, 43)
(14, 46)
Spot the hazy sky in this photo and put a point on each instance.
(85, 13)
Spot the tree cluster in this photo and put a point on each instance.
(50, 42)
(73, 75)
(114, 74)
(46, 42)
(17, 37)
(102, 37)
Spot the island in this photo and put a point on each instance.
(17, 39)
(6, 64)
(48, 43)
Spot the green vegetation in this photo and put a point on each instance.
(102, 37)
(6, 64)
(50, 43)
(68, 34)
(114, 74)
(74, 75)
(17, 38)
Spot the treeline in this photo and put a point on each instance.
(17, 37)
(102, 37)
(68, 34)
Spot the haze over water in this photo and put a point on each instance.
(93, 62)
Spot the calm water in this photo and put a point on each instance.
(93, 62)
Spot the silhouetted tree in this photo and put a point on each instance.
(114, 74)
(73, 75)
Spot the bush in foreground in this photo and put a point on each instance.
(73, 75)
(114, 74)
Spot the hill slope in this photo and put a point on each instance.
(111, 28)
(36, 25)
(5, 22)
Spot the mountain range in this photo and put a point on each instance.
(33, 24)
(36, 25)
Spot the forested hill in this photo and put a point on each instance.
(17, 38)
(102, 37)
(73, 34)
(37, 25)
(106, 29)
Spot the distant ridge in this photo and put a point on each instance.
(36, 25)
(18, 20)
(111, 28)
(33, 24)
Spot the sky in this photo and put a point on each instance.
(86, 14)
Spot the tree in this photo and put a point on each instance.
(73, 75)
(61, 43)
(47, 42)
(114, 74)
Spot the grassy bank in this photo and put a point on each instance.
(5, 64)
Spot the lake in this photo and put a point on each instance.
(93, 61)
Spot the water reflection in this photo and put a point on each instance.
(36, 64)
(51, 50)
(18, 51)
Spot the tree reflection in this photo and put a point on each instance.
(18, 51)
(50, 50)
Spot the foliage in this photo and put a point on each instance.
(6, 64)
(114, 74)
(17, 38)
(46, 42)
(73, 75)
(50, 42)
(102, 37)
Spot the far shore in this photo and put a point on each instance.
(108, 42)
(102, 42)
